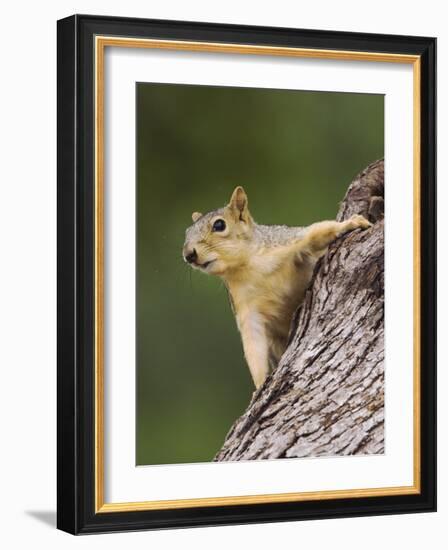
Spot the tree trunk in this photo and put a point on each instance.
(326, 397)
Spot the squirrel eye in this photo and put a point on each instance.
(219, 225)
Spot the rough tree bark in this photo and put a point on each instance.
(326, 397)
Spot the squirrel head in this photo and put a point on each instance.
(218, 242)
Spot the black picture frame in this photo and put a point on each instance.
(76, 301)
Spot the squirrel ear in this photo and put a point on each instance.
(238, 201)
(195, 216)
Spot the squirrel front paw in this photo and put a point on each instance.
(359, 222)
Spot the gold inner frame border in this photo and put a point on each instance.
(100, 44)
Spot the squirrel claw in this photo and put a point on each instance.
(360, 222)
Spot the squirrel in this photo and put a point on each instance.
(265, 268)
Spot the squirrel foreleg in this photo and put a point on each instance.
(256, 348)
(321, 234)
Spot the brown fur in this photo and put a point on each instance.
(266, 270)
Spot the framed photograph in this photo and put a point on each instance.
(246, 274)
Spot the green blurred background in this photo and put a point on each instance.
(295, 153)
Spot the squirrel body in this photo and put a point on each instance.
(266, 269)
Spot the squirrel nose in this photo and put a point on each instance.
(191, 256)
